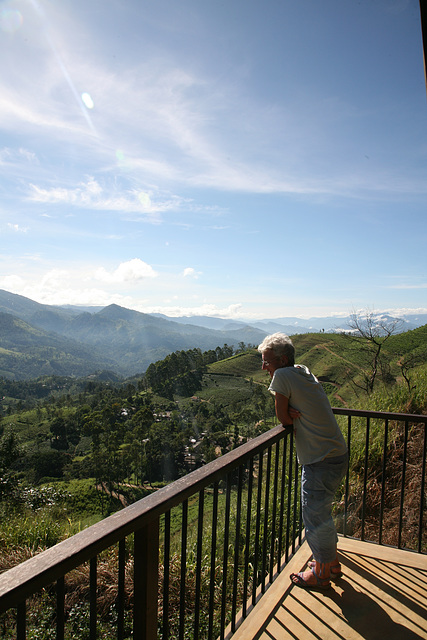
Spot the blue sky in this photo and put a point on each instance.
(234, 158)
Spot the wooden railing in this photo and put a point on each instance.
(207, 546)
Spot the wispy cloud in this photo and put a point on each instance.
(422, 285)
(173, 124)
(11, 156)
(92, 196)
(17, 227)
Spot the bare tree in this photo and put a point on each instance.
(371, 332)
(407, 364)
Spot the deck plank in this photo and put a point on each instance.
(382, 594)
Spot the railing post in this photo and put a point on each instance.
(60, 604)
(93, 597)
(422, 494)
(146, 581)
(21, 621)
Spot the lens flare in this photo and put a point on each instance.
(10, 20)
(87, 100)
(144, 199)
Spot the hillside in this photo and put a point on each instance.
(40, 340)
(28, 352)
(339, 363)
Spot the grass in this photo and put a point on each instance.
(224, 389)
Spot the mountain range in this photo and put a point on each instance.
(38, 339)
(293, 325)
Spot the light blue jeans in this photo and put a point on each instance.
(319, 484)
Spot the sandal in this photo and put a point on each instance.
(335, 570)
(320, 585)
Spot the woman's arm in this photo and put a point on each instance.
(282, 409)
(284, 412)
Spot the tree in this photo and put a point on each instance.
(371, 332)
(58, 430)
(49, 464)
(407, 364)
(10, 451)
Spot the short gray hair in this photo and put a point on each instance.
(281, 345)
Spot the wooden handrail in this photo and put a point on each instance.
(381, 415)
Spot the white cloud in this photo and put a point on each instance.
(130, 271)
(12, 283)
(406, 312)
(54, 279)
(189, 272)
(17, 228)
(60, 288)
(233, 311)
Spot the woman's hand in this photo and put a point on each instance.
(294, 413)
(284, 412)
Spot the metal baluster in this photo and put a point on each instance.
(60, 608)
(93, 597)
(288, 515)
(198, 564)
(182, 593)
(146, 581)
(347, 477)
(248, 534)
(225, 555)
(266, 511)
(273, 517)
(296, 511)
(282, 505)
(257, 528)
(21, 621)
(166, 574)
(236, 549)
(121, 590)
(422, 499)
(402, 488)
(365, 477)
(213, 560)
(383, 480)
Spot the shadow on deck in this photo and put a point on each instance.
(382, 594)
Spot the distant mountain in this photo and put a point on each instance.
(289, 325)
(28, 352)
(293, 325)
(38, 339)
(115, 338)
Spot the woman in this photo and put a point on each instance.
(321, 450)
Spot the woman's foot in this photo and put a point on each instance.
(335, 569)
(310, 580)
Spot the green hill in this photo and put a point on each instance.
(27, 352)
(339, 363)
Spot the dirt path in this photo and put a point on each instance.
(323, 346)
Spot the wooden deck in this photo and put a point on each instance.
(382, 595)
